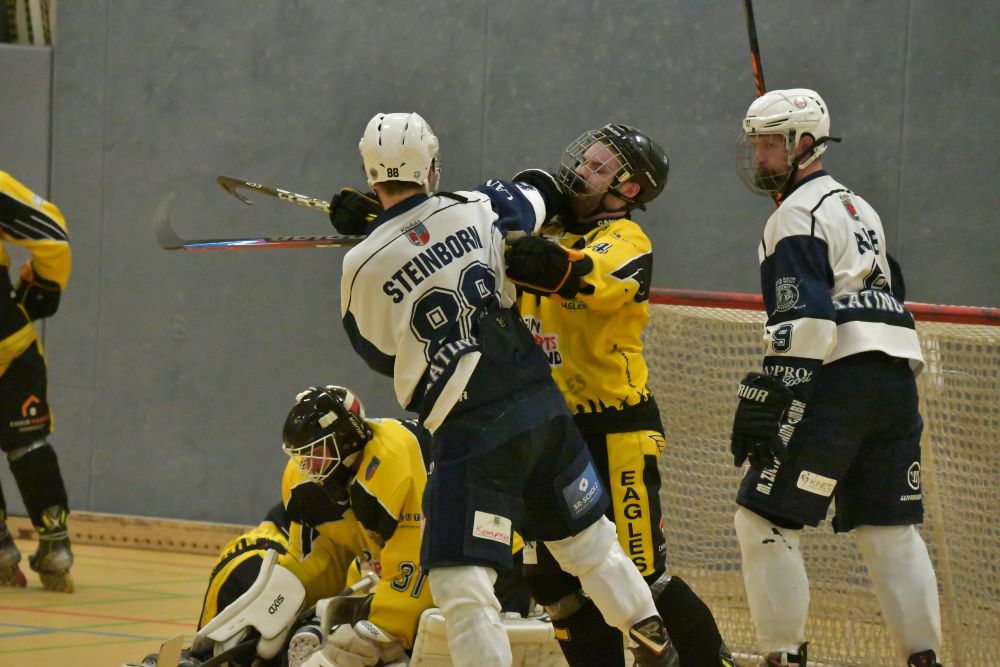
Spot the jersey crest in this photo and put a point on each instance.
(417, 233)
(845, 199)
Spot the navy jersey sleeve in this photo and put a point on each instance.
(518, 206)
(796, 279)
(377, 360)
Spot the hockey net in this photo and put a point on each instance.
(699, 345)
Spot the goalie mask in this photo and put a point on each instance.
(400, 147)
(598, 162)
(788, 115)
(325, 434)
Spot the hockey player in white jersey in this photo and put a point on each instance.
(834, 412)
(425, 300)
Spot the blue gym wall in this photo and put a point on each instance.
(171, 373)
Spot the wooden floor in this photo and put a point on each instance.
(127, 601)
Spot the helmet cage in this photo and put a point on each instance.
(791, 114)
(633, 156)
(332, 421)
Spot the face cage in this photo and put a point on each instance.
(586, 196)
(306, 455)
(748, 172)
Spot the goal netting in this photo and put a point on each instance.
(699, 345)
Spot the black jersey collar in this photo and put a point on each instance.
(397, 209)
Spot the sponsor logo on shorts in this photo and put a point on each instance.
(767, 475)
(493, 527)
(913, 476)
(910, 497)
(816, 483)
(582, 492)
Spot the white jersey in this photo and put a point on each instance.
(827, 285)
(412, 291)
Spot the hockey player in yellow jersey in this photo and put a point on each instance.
(29, 221)
(585, 287)
(351, 502)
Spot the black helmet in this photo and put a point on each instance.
(325, 432)
(642, 160)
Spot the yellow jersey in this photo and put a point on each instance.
(30, 221)
(594, 341)
(379, 523)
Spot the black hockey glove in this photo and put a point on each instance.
(760, 428)
(542, 267)
(351, 211)
(39, 297)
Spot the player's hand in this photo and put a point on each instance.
(364, 645)
(39, 297)
(351, 211)
(760, 417)
(543, 267)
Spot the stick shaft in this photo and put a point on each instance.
(232, 186)
(758, 69)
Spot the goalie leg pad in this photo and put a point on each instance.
(472, 615)
(776, 583)
(271, 606)
(904, 581)
(606, 574)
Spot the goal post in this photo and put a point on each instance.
(699, 344)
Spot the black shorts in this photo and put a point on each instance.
(859, 443)
(24, 401)
(538, 479)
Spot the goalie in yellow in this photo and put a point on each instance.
(585, 282)
(351, 504)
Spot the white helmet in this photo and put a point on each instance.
(791, 113)
(400, 147)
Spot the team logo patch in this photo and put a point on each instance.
(815, 483)
(492, 527)
(913, 476)
(582, 492)
(786, 294)
(417, 233)
(845, 199)
(372, 467)
(30, 407)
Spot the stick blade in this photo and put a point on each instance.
(232, 185)
(165, 234)
(170, 652)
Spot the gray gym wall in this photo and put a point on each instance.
(171, 373)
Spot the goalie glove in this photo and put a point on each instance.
(39, 297)
(765, 421)
(364, 645)
(351, 211)
(543, 267)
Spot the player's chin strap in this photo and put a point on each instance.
(270, 606)
(789, 183)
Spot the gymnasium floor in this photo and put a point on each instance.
(127, 602)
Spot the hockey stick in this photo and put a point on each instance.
(758, 69)
(169, 240)
(232, 186)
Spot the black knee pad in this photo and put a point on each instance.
(587, 641)
(39, 480)
(691, 625)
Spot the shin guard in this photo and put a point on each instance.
(690, 624)
(36, 470)
(586, 640)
